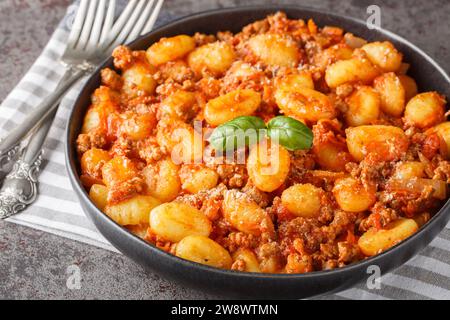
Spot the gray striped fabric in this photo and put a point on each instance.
(57, 211)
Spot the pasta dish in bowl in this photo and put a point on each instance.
(287, 147)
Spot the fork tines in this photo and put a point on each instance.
(94, 29)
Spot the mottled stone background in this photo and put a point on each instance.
(32, 263)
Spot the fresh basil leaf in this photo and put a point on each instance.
(290, 133)
(237, 133)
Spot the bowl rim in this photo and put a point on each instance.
(80, 190)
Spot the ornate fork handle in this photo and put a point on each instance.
(49, 105)
(7, 158)
(20, 186)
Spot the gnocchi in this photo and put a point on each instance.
(137, 127)
(138, 78)
(249, 260)
(196, 179)
(133, 211)
(245, 215)
(376, 241)
(174, 221)
(179, 105)
(93, 161)
(305, 104)
(352, 70)
(425, 110)
(443, 130)
(99, 195)
(162, 180)
(203, 250)
(268, 165)
(170, 49)
(303, 200)
(275, 50)
(215, 58)
(353, 196)
(363, 107)
(231, 105)
(386, 141)
(384, 55)
(392, 94)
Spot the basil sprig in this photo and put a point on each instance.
(290, 133)
(232, 134)
(243, 131)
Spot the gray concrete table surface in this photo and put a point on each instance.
(33, 264)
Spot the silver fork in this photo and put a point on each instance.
(93, 37)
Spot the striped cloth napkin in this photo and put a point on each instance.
(57, 211)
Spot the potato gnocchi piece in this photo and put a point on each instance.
(184, 144)
(99, 195)
(170, 49)
(138, 79)
(119, 169)
(376, 241)
(179, 105)
(409, 170)
(195, 179)
(392, 94)
(353, 70)
(332, 54)
(387, 142)
(410, 86)
(384, 55)
(93, 161)
(443, 131)
(133, 211)
(352, 196)
(425, 110)
(138, 126)
(295, 81)
(162, 180)
(104, 102)
(232, 105)
(215, 58)
(332, 155)
(245, 215)
(203, 250)
(305, 104)
(303, 200)
(174, 221)
(92, 120)
(249, 259)
(363, 107)
(268, 165)
(275, 50)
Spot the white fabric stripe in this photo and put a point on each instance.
(413, 285)
(38, 79)
(430, 264)
(59, 181)
(64, 206)
(25, 96)
(441, 243)
(55, 156)
(359, 294)
(45, 62)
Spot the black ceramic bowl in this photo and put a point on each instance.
(248, 285)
